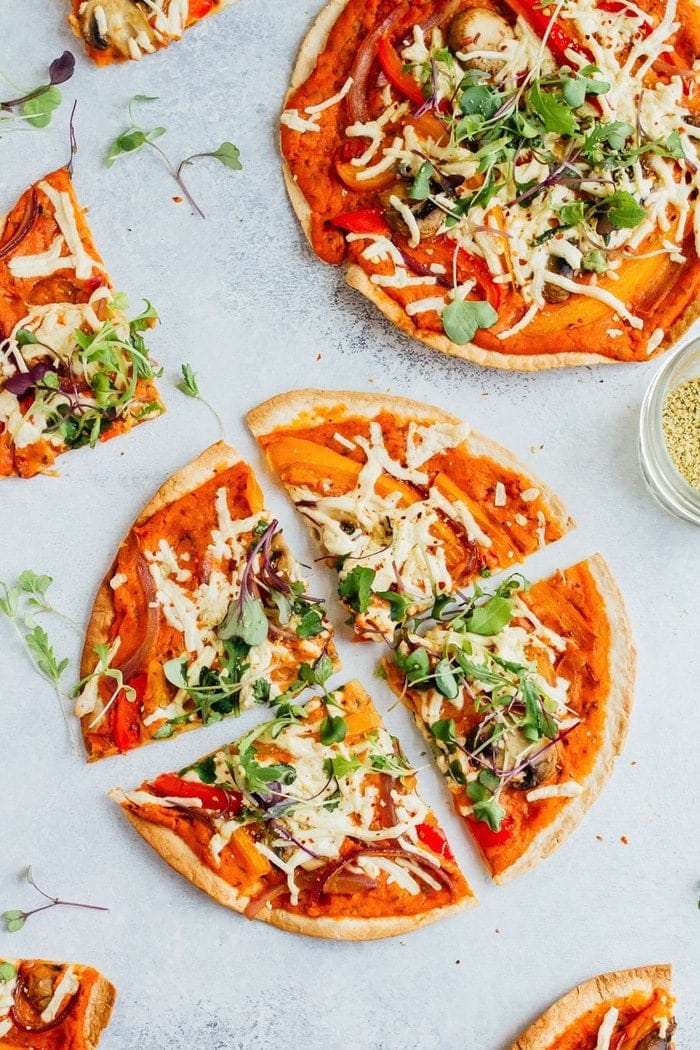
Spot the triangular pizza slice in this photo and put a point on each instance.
(52, 1006)
(73, 369)
(310, 822)
(117, 30)
(523, 694)
(203, 612)
(404, 499)
(625, 1010)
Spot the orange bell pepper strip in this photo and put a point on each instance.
(348, 174)
(248, 856)
(500, 545)
(393, 70)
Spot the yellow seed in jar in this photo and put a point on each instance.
(680, 419)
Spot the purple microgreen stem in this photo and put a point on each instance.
(60, 70)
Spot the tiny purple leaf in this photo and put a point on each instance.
(61, 69)
(22, 382)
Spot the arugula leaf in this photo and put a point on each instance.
(188, 383)
(394, 765)
(340, 765)
(491, 617)
(462, 318)
(555, 114)
(258, 777)
(333, 730)
(356, 588)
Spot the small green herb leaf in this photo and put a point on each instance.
(228, 154)
(188, 383)
(555, 114)
(623, 211)
(340, 765)
(420, 188)
(356, 588)
(333, 729)
(490, 618)
(462, 318)
(39, 110)
(8, 972)
(246, 620)
(14, 920)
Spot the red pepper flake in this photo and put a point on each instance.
(599, 837)
(624, 840)
(177, 200)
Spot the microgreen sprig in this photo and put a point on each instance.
(37, 106)
(134, 138)
(16, 918)
(188, 385)
(21, 604)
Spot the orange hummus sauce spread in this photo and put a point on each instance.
(68, 1028)
(638, 1016)
(459, 475)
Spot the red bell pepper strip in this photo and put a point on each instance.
(126, 723)
(367, 220)
(558, 40)
(199, 8)
(615, 7)
(485, 836)
(434, 839)
(393, 70)
(218, 799)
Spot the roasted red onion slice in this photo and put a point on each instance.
(25, 227)
(148, 619)
(33, 993)
(357, 95)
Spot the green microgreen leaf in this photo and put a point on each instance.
(622, 210)
(310, 625)
(399, 604)
(491, 617)
(38, 111)
(445, 731)
(355, 589)
(14, 920)
(595, 261)
(340, 765)
(555, 114)
(445, 679)
(333, 730)
(8, 972)
(188, 383)
(246, 620)
(462, 318)
(490, 812)
(420, 187)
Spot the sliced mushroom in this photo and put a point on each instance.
(121, 24)
(478, 29)
(428, 218)
(502, 753)
(540, 768)
(654, 1041)
(552, 293)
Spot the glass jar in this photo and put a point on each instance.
(664, 480)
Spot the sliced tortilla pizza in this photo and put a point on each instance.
(73, 369)
(523, 694)
(310, 822)
(118, 30)
(52, 1006)
(203, 612)
(625, 1010)
(404, 499)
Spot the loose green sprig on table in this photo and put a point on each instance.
(189, 386)
(37, 106)
(134, 138)
(16, 918)
(21, 604)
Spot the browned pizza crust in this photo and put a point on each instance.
(312, 46)
(99, 1011)
(594, 992)
(309, 406)
(184, 860)
(621, 663)
(214, 459)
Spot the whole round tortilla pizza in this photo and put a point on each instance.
(510, 184)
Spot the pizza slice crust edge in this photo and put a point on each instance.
(284, 409)
(593, 992)
(622, 665)
(184, 860)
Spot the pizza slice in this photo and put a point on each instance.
(403, 498)
(311, 822)
(523, 694)
(52, 1006)
(626, 1010)
(204, 612)
(73, 369)
(117, 30)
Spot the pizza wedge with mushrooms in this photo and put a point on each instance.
(118, 30)
(310, 822)
(74, 370)
(404, 499)
(625, 1010)
(523, 693)
(52, 1006)
(513, 183)
(204, 612)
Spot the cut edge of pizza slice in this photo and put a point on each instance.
(402, 497)
(119, 30)
(47, 998)
(311, 822)
(636, 1004)
(507, 687)
(74, 370)
(203, 612)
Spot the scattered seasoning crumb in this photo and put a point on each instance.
(496, 931)
(536, 448)
(177, 200)
(633, 762)
(599, 837)
(624, 840)
(318, 357)
(457, 962)
(680, 418)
